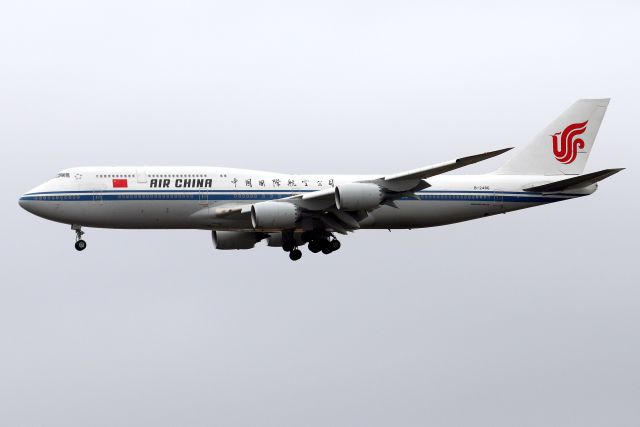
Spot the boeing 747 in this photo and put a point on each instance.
(242, 207)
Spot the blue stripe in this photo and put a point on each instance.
(123, 197)
(284, 193)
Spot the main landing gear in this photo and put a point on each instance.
(324, 243)
(318, 240)
(325, 246)
(289, 244)
(80, 245)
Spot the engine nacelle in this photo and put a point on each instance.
(235, 239)
(274, 215)
(357, 196)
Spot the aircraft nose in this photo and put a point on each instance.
(27, 201)
(24, 203)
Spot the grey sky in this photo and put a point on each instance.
(523, 319)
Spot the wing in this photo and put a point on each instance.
(342, 208)
(404, 181)
(401, 182)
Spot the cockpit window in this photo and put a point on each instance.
(63, 175)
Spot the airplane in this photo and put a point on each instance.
(243, 207)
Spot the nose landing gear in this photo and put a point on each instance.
(80, 245)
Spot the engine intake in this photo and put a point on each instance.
(274, 215)
(235, 239)
(357, 196)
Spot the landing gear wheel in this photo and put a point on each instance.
(288, 246)
(327, 250)
(335, 244)
(295, 255)
(80, 244)
(315, 246)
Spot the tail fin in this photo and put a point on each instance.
(563, 147)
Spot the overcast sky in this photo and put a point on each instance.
(527, 319)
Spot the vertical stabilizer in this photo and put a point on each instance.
(563, 147)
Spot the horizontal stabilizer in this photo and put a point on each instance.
(575, 182)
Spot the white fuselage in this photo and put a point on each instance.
(194, 197)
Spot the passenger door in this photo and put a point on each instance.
(97, 197)
(203, 197)
(498, 202)
(141, 176)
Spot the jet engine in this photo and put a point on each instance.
(235, 239)
(278, 215)
(357, 196)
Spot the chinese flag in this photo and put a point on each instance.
(120, 183)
